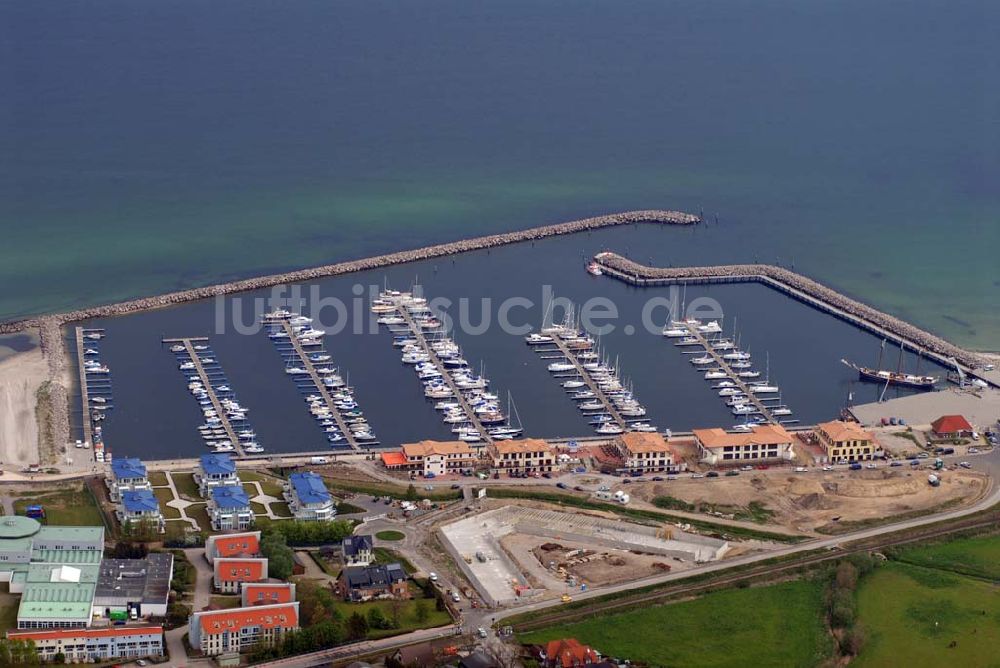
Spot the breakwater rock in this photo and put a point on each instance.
(656, 216)
(801, 287)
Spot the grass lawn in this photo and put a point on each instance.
(186, 486)
(390, 535)
(224, 602)
(281, 509)
(270, 486)
(778, 625)
(8, 609)
(164, 495)
(199, 512)
(73, 506)
(407, 618)
(345, 508)
(912, 614)
(970, 556)
(439, 493)
(157, 478)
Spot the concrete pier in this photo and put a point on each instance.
(88, 425)
(227, 426)
(609, 406)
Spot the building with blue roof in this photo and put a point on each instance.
(308, 498)
(229, 508)
(140, 505)
(128, 473)
(215, 470)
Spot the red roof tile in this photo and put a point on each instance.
(950, 424)
(264, 616)
(240, 570)
(568, 652)
(266, 594)
(237, 545)
(56, 634)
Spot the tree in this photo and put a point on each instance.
(421, 611)
(357, 626)
(18, 653)
(411, 493)
(316, 603)
(280, 560)
(377, 620)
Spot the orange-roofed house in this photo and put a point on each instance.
(529, 455)
(231, 573)
(846, 441)
(229, 631)
(95, 644)
(765, 442)
(646, 452)
(267, 593)
(245, 544)
(569, 653)
(437, 457)
(951, 426)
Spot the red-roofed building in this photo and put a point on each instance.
(226, 631)
(267, 593)
(96, 644)
(569, 653)
(229, 574)
(951, 426)
(245, 544)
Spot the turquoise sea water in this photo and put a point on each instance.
(149, 147)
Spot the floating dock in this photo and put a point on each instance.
(88, 427)
(317, 380)
(730, 372)
(418, 334)
(599, 394)
(209, 386)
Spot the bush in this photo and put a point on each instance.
(280, 560)
(297, 532)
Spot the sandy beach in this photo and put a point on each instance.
(21, 374)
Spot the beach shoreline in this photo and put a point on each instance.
(22, 374)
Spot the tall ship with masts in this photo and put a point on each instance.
(897, 377)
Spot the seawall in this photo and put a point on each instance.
(800, 287)
(657, 216)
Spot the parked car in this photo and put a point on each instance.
(855, 466)
(657, 478)
(578, 489)
(455, 597)
(546, 475)
(456, 486)
(801, 469)
(896, 462)
(432, 576)
(732, 472)
(965, 465)
(711, 474)
(748, 467)
(700, 475)
(562, 485)
(827, 468)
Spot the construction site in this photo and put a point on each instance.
(516, 553)
(817, 502)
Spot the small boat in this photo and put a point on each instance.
(749, 374)
(704, 359)
(561, 366)
(594, 269)
(174, 349)
(676, 333)
(535, 339)
(573, 384)
(715, 374)
(609, 429)
(295, 371)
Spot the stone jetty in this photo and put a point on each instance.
(656, 216)
(800, 287)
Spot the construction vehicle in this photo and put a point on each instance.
(938, 464)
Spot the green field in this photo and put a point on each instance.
(186, 486)
(224, 602)
(164, 495)
(269, 485)
(73, 506)
(777, 625)
(199, 513)
(979, 557)
(912, 614)
(345, 508)
(407, 616)
(390, 535)
(157, 478)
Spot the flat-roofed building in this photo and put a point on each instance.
(95, 644)
(215, 470)
(308, 498)
(267, 593)
(246, 544)
(530, 455)
(140, 506)
(229, 508)
(846, 441)
(230, 573)
(232, 631)
(645, 452)
(437, 457)
(127, 474)
(139, 587)
(763, 443)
